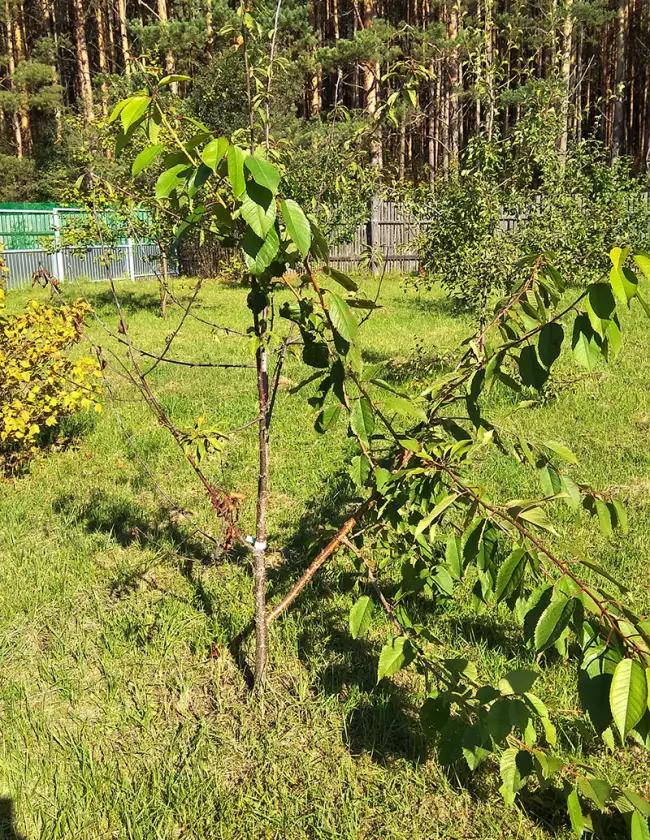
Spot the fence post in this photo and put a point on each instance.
(129, 251)
(373, 232)
(58, 265)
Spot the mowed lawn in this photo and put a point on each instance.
(123, 710)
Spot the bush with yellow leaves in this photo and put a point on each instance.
(39, 383)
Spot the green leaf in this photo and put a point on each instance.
(258, 209)
(531, 372)
(604, 518)
(597, 790)
(511, 575)
(297, 225)
(600, 306)
(170, 179)
(133, 111)
(620, 515)
(553, 621)
(361, 616)
(624, 283)
(359, 469)
(362, 303)
(342, 318)
(519, 681)
(561, 451)
(537, 516)
(214, 152)
(264, 173)
(117, 109)
(575, 813)
(440, 508)
(236, 176)
(327, 418)
(454, 557)
(586, 349)
(362, 419)
(397, 654)
(549, 346)
(639, 827)
(628, 695)
(643, 262)
(618, 256)
(145, 159)
(406, 408)
(260, 253)
(342, 279)
(173, 77)
(510, 775)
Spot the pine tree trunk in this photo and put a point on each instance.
(169, 56)
(618, 136)
(23, 108)
(83, 63)
(567, 50)
(102, 54)
(15, 118)
(124, 37)
(453, 81)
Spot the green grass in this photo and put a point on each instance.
(124, 713)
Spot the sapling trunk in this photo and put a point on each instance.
(259, 547)
(163, 287)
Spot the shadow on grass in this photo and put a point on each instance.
(380, 721)
(127, 524)
(7, 830)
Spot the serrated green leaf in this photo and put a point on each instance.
(258, 209)
(553, 621)
(575, 813)
(604, 518)
(214, 152)
(519, 681)
(549, 345)
(263, 172)
(297, 225)
(327, 418)
(342, 318)
(537, 516)
(643, 262)
(628, 695)
(236, 175)
(170, 179)
(133, 110)
(586, 350)
(342, 279)
(362, 419)
(561, 451)
(439, 509)
(359, 469)
(260, 253)
(597, 790)
(145, 159)
(395, 655)
(405, 407)
(639, 827)
(511, 574)
(361, 616)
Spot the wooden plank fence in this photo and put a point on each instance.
(388, 234)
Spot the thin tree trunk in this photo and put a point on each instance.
(124, 37)
(15, 118)
(453, 75)
(169, 56)
(261, 533)
(567, 49)
(618, 137)
(23, 110)
(83, 64)
(102, 54)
